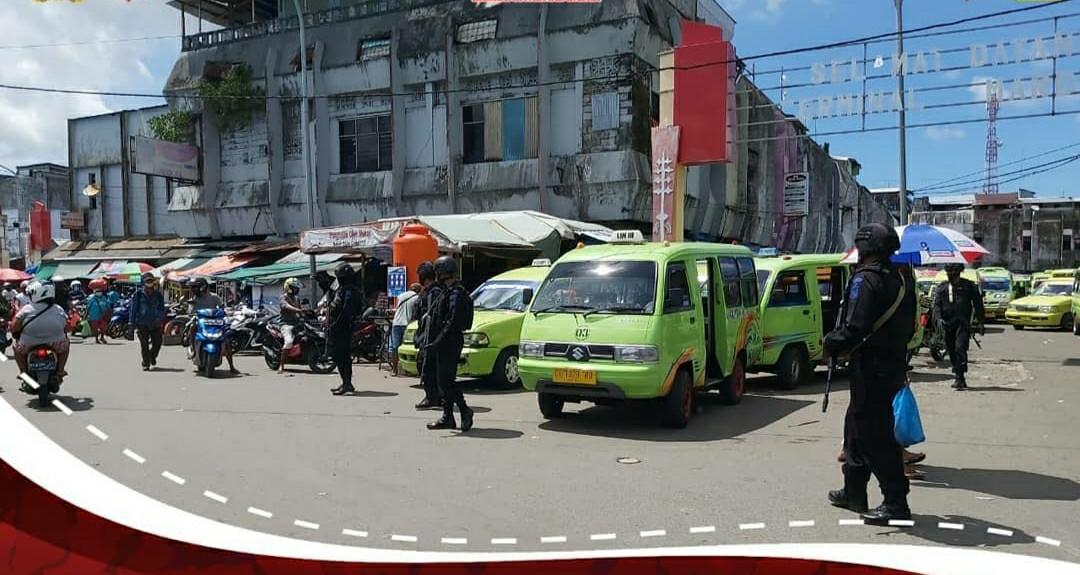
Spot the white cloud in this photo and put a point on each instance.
(33, 125)
(770, 10)
(945, 133)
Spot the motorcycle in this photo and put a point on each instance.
(211, 337)
(42, 366)
(118, 322)
(246, 332)
(5, 336)
(310, 347)
(368, 338)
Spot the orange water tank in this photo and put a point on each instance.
(413, 246)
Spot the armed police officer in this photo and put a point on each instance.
(873, 333)
(451, 317)
(431, 290)
(958, 309)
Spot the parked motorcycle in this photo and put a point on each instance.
(5, 336)
(310, 347)
(247, 335)
(211, 337)
(368, 338)
(177, 326)
(118, 322)
(42, 366)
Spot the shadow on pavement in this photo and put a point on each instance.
(640, 420)
(73, 403)
(971, 388)
(1007, 483)
(998, 328)
(923, 377)
(1071, 362)
(490, 433)
(371, 393)
(974, 533)
(168, 369)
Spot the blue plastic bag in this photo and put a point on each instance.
(907, 426)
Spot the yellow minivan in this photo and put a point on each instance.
(801, 297)
(632, 320)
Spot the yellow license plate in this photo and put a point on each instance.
(574, 376)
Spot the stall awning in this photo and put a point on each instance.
(45, 271)
(256, 272)
(218, 265)
(302, 273)
(74, 270)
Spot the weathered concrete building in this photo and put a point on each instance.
(1022, 232)
(425, 107)
(47, 183)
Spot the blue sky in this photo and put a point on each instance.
(934, 154)
(33, 127)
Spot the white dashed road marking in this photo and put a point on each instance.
(602, 537)
(504, 541)
(29, 380)
(215, 497)
(353, 533)
(553, 539)
(996, 531)
(60, 405)
(851, 522)
(901, 523)
(1048, 541)
(260, 512)
(403, 538)
(305, 524)
(134, 456)
(97, 433)
(953, 526)
(654, 533)
(173, 477)
(747, 526)
(455, 541)
(703, 529)
(800, 523)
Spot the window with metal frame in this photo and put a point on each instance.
(789, 289)
(476, 31)
(677, 289)
(365, 144)
(729, 271)
(373, 48)
(748, 278)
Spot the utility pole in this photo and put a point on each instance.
(305, 126)
(903, 105)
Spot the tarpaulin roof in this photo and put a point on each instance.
(218, 265)
(73, 270)
(249, 273)
(520, 231)
(179, 264)
(295, 273)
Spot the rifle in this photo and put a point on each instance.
(828, 384)
(976, 340)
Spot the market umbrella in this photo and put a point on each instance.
(12, 275)
(130, 271)
(924, 244)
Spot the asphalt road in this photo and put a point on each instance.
(281, 455)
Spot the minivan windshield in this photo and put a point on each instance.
(502, 295)
(996, 285)
(1054, 289)
(598, 287)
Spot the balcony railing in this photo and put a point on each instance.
(311, 20)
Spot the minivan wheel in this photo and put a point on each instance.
(792, 367)
(731, 391)
(505, 375)
(1066, 321)
(551, 405)
(1076, 325)
(679, 403)
(1018, 327)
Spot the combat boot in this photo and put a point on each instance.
(960, 383)
(884, 513)
(841, 498)
(444, 422)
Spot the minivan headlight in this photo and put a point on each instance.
(531, 349)
(637, 353)
(1046, 308)
(476, 339)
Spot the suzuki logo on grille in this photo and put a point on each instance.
(578, 353)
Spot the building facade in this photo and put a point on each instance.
(428, 107)
(47, 183)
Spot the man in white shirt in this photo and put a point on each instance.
(405, 313)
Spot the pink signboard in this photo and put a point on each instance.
(665, 155)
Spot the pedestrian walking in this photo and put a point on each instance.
(425, 359)
(339, 319)
(407, 306)
(451, 317)
(873, 334)
(291, 319)
(958, 306)
(98, 311)
(147, 315)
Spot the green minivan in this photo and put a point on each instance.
(632, 320)
(491, 346)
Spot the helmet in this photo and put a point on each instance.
(877, 239)
(98, 284)
(954, 268)
(426, 271)
(445, 266)
(76, 284)
(293, 285)
(344, 271)
(198, 284)
(42, 292)
(24, 285)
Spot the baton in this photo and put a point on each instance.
(828, 384)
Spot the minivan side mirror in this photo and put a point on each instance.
(526, 296)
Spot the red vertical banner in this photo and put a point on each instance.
(704, 85)
(40, 228)
(665, 157)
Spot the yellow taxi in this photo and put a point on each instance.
(1050, 305)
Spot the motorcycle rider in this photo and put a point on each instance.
(41, 322)
(75, 289)
(203, 298)
(874, 330)
(428, 377)
(147, 316)
(450, 319)
(22, 298)
(339, 319)
(958, 307)
(291, 320)
(63, 296)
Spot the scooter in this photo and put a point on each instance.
(246, 334)
(211, 337)
(309, 347)
(118, 322)
(42, 364)
(367, 339)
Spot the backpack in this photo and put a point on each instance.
(467, 311)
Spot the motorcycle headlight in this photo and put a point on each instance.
(531, 349)
(410, 335)
(637, 353)
(476, 339)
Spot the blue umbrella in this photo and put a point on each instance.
(924, 244)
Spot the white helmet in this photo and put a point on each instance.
(76, 284)
(41, 292)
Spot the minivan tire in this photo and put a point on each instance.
(792, 367)
(1066, 321)
(679, 403)
(1018, 327)
(551, 405)
(734, 386)
(1076, 325)
(506, 365)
